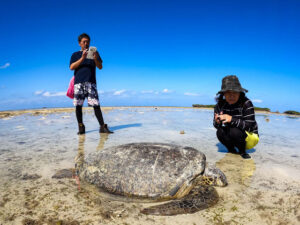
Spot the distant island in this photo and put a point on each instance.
(212, 106)
(289, 112)
(203, 106)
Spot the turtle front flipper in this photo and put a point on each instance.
(199, 198)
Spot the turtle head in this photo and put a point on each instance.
(214, 176)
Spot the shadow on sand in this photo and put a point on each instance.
(125, 126)
(114, 128)
(223, 149)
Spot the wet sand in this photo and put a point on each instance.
(38, 143)
(45, 111)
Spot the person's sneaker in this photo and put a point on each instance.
(104, 129)
(246, 156)
(81, 129)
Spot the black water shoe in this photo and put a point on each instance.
(246, 156)
(81, 128)
(104, 129)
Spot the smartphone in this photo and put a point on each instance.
(90, 53)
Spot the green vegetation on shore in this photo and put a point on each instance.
(212, 106)
(290, 112)
(203, 106)
(262, 109)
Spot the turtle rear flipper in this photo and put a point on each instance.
(199, 198)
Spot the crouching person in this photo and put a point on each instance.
(234, 118)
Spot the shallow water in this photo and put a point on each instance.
(261, 190)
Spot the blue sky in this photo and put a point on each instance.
(164, 53)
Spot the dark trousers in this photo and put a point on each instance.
(97, 111)
(232, 137)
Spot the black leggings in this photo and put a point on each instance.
(232, 137)
(98, 114)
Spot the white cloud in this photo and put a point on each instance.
(5, 66)
(191, 94)
(48, 94)
(38, 92)
(166, 91)
(119, 92)
(257, 101)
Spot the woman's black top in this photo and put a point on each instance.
(242, 112)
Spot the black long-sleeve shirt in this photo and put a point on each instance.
(242, 112)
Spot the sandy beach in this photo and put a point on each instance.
(35, 144)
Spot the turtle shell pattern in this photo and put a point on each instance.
(150, 170)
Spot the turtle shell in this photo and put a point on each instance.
(152, 170)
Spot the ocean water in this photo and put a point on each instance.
(42, 144)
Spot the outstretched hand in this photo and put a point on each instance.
(225, 118)
(84, 54)
(97, 62)
(217, 117)
(96, 56)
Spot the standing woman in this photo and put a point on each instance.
(234, 117)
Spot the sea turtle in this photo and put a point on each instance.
(157, 171)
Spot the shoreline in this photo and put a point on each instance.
(45, 111)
